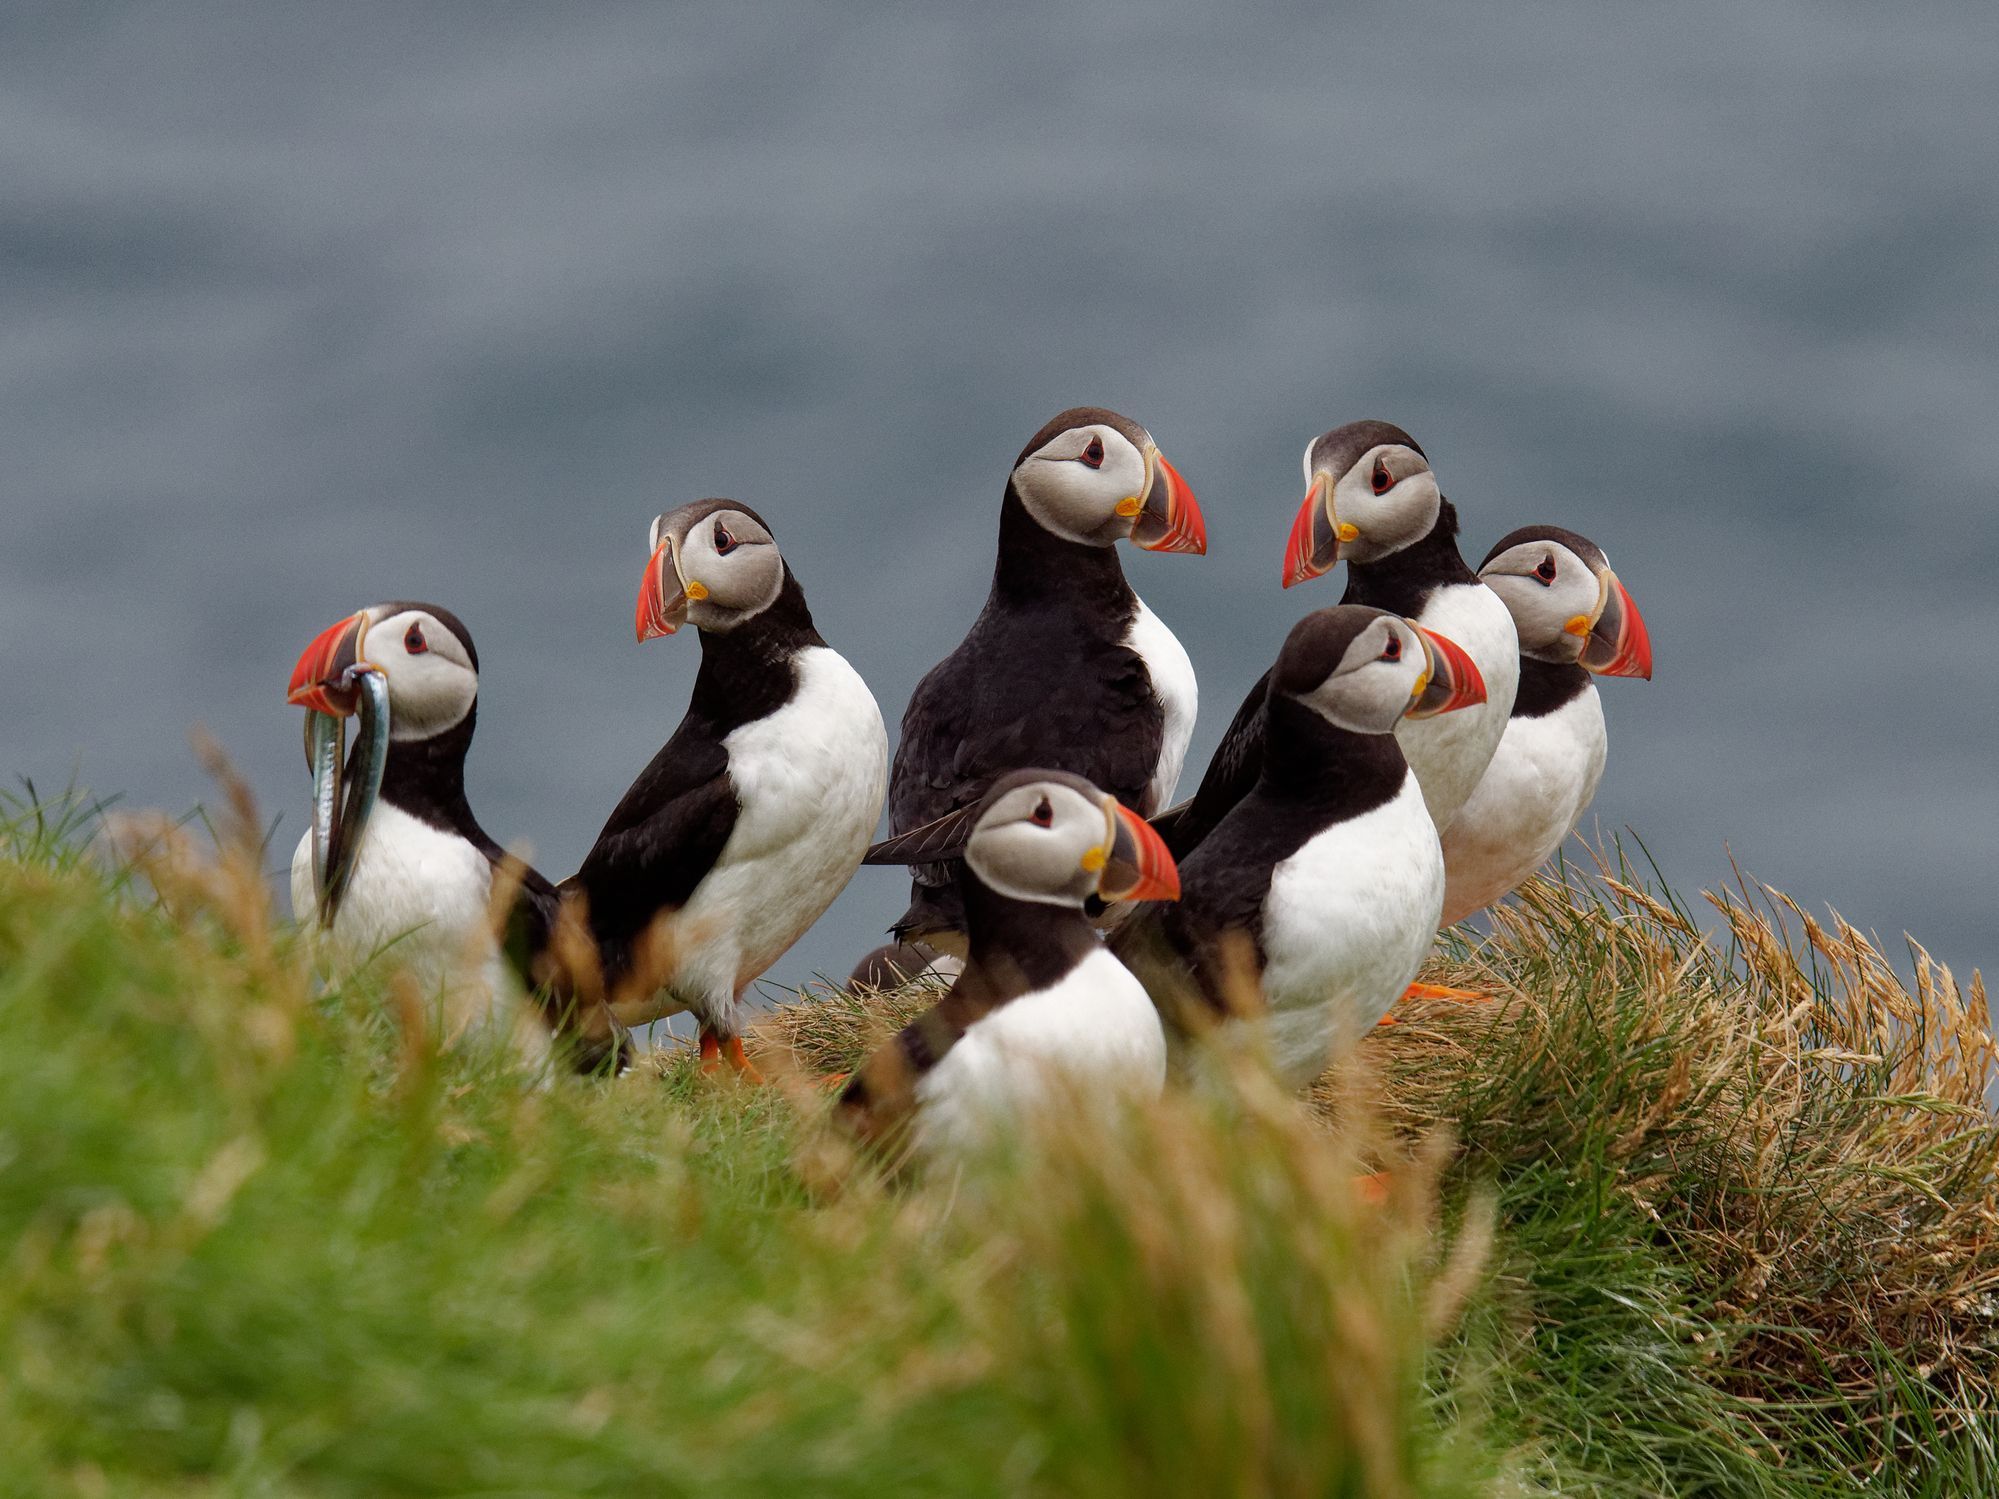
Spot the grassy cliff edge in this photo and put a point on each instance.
(1674, 1213)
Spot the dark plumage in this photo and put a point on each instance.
(1044, 677)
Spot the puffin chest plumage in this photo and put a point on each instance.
(417, 889)
(1346, 924)
(1450, 751)
(1542, 776)
(1171, 672)
(420, 898)
(1093, 1025)
(808, 780)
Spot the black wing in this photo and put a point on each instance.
(1231, 774)
(662, 839)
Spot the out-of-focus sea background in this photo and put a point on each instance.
(306, 307)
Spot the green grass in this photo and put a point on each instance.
(1659, 1223)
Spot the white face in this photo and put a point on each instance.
(1552, 594)
(1087, 484)
(432, 685)
(1044, 842)
(1377, 679)
(1386, 501)
(730, 567)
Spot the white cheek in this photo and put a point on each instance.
(1071, 499)
(427, 695)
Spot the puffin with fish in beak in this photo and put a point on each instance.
(394, 859)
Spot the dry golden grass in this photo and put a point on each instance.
(1808, 1132)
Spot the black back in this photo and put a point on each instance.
(1042, 678)
(670, 827)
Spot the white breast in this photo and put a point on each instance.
(1173, 682)
(1449, 752)
(418, 900)
(1346, 925)
(809, 781)
(1542, 776)
(1092, 1036)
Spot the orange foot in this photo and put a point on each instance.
(714, 1051)
(1442, 991)
(833, 1082)
(1372, 1188)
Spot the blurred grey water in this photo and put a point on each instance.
(305, 307)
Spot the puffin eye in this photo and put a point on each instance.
(413, 641)
(1383, 480)
(1393, 650)
(1546, 571)
(1093, 455)
(1044, 815)
(724, 542)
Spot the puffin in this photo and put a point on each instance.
(896, 964)
(1065, 666)
(394, 859)
(1372, 499)
(1310, 905)
(1039, 993)
(756, 812)
(1576, 622)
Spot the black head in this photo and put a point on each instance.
(1365, 669)
(1095, 478)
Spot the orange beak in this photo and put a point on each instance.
(662, 607)
(320, 680)
(1315, 545)
(1139, 866)
(1170, 520)
(1619, 645)
(1454, 678)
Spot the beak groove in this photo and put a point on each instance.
(1619, 645)
(1315, 544)
(1455, 680)
(1139, 866)
(323, 678)
(662, 606)
(1170, 520)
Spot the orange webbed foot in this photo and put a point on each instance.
(1444, 991)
